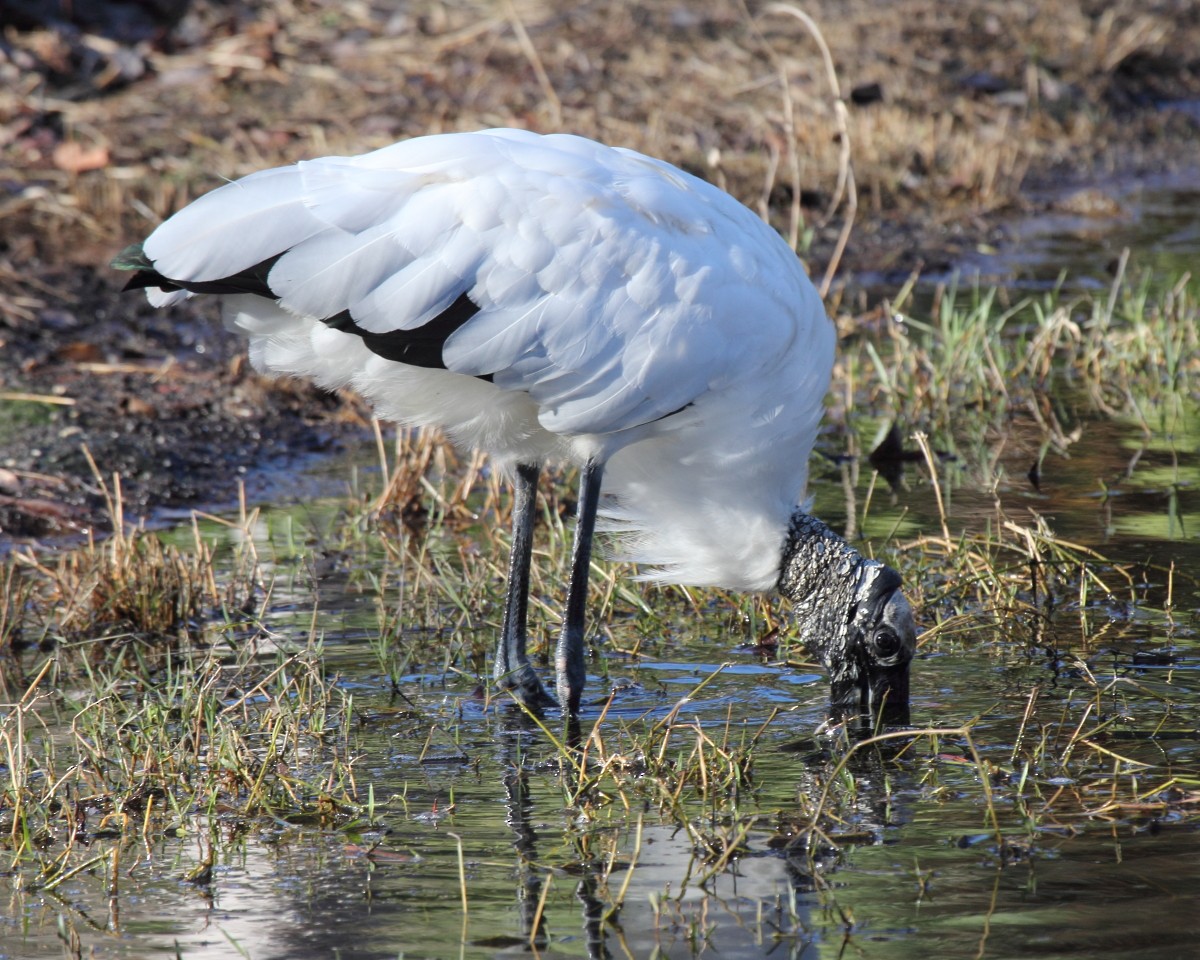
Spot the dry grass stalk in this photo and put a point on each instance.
(845, 186)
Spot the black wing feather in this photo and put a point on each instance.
(421, 347)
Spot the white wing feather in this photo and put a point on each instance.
(237, 226)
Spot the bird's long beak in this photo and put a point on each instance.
(885, 693)
(878, 692)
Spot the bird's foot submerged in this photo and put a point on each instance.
(526, 688)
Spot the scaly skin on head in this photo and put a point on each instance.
(852, 615)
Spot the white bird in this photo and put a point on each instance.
(549, 298)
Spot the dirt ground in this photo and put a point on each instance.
(953, 113)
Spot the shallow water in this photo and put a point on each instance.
(916, 872)
(921, 874)
(1082, 235)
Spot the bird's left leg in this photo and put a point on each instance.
(569, 664)
(513, 671)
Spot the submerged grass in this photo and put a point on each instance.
(156, 689)
(157, 745)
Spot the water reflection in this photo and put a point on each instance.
(1118, 489)
(915, 872)
(1081, 235)
(640, 894)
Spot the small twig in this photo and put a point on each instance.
(923, 442)
(462, 872)
(633, 859)
(845, 183)
(796, 215)
(377, 429)
(536, 927)
(1033, 694)
(535, 61)
(19, 397)
(64, 877)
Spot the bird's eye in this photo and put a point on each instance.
(886, 644)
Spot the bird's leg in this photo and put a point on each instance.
(513, 670)
(569, 662)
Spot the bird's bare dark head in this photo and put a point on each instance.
(880, 642)
(850, 612)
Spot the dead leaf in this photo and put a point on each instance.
(137, 407)
(78, 351)
(76, 158)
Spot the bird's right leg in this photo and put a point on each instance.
(514, 672)
(570, 665)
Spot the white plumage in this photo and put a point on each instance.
(619, 314)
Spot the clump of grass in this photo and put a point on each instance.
(672, 755)
(159, 742)
(977, 352)
(128, 586)
(18, 624)
(132, 584)
(1005, 571)
(979, 372)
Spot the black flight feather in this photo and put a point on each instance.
(421, 347)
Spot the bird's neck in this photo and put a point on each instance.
(820, 574)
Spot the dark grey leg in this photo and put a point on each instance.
(513, 671)
(569, 662)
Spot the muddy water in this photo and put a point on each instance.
(1081, 235)
(922, 877)
(918, 872)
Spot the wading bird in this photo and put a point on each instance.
(548, 298)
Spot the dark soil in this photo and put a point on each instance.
(956, 113)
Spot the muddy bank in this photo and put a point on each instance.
(957, 115)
